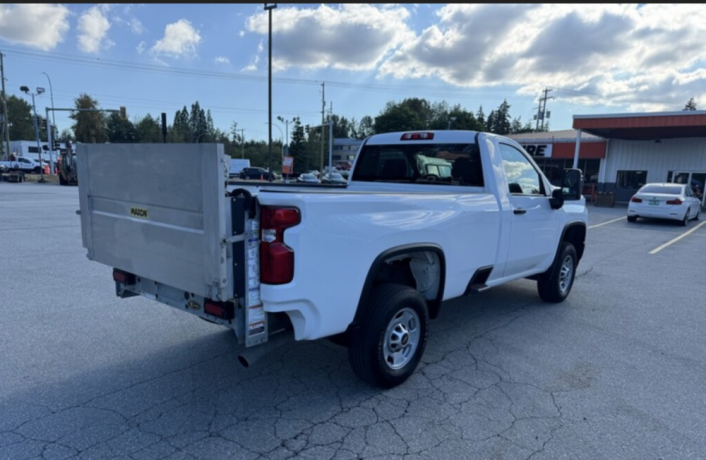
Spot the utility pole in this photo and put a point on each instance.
(330, 139)
(269, 8)
(5, 120)
(242, 139)
(323, 110)
(542, 113)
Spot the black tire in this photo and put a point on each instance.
(632, 218)
(698, 213)
(685, 220)
(37, 170)
(387, 346)
(557, 284)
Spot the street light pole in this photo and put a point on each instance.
(50, 134)
(25, 90)
(51, 95)
(286, 128)
(269, 8)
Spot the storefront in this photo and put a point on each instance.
(555, 151)
(646, 147)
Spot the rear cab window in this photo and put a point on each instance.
(441, 164)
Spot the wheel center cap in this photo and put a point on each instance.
(405, 339)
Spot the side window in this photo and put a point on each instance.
(522, 177)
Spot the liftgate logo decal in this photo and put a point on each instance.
(139, 212)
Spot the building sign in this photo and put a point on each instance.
(539, 150)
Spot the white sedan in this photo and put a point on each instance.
(664, 201)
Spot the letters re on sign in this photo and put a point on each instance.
(539, 150)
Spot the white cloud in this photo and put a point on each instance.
(180, 39)
(38, 25)
(348, 36)
(93, 27)
(126, 18)
(135, 25)
(141, 47)
(642, 57)
(222, 60)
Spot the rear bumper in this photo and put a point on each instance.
(656, 213)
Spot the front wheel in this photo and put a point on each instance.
(387, 346)
(555, 287)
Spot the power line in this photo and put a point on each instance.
(124, 65)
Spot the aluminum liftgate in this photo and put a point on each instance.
(160, 213)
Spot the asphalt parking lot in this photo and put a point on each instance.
(617, 371)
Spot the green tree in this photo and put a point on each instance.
(690, 105)
(120, 130)
(19, 114)
(66, 135)
(198, 124)
(149, 129)
(365, 128)
(480, 118)
(89, 127)
(499, 120)
(398, 117)
(182, 127)
(519, 128)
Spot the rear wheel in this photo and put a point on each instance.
(632, 218)
(386, 348)
(556, 286)
(685, 220)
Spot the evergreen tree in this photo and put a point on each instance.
(89, 127)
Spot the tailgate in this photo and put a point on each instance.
(158, 211)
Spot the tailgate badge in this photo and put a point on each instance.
(139, 212)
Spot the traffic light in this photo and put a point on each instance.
(123, 113)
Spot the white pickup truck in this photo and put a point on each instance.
(23, 164)
(366, 265)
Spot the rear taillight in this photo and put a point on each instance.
(636, 199)
(276, 258)
(677, 201)
(123, 277)
(223, 310)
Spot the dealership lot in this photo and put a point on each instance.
(615, 372)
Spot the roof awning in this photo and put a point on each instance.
(644, 126)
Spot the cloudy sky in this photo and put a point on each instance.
(155, 58)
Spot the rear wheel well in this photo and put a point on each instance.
(421, 267)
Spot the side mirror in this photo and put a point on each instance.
(572, 184)
(557, 199)
(571, 188)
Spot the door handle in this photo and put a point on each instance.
(519, 211)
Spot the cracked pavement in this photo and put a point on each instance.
(614, 372)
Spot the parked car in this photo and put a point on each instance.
(308, 179)
(343, 165)
(314, 172)
(256, 173)
(664, 201)
(334, 178)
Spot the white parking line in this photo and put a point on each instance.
(606, 223)
(656, 250)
